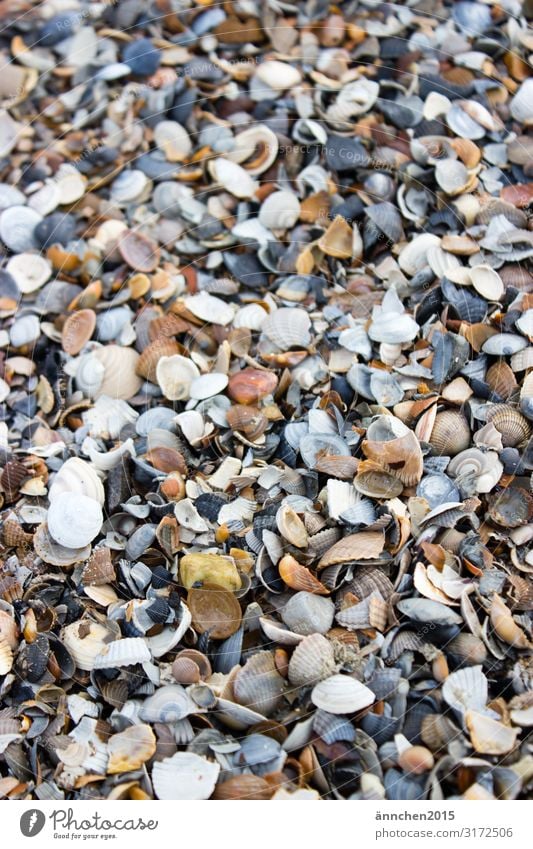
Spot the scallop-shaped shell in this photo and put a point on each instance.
(74, 520)
(173, 140)
(466, 689)
(366, 545)
(174, 375)
(391, 444)
(500, 377)
(85, 640)
(30, 271)
(450, 434)
(306, 613)
(8, 629)
(258, 685)
(77, 330)
(6, 657)
(311, 661)
(184, 776)
(468, 648)
(138, 251)
(251, 316)
(52, 552)
(437, 731)
(515, 429)
(168, 704)
(77, 476)
(288, 328)
(126, 652)
(146, 366)
(130, 749)
(341, 694)
(369, 613)
(298, 577)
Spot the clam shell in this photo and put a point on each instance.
(280, 211)
(391, 444)
(147, 363)
(450, 434)
(170, 703)
(466, 689)
(74, 520)
(209, 308)
(85, 640)
(372, 480)
(291, 526)
(468, 648)
(215, 610)
(426, 610)
(126, 652)
(17, 225)
(298, 577)
(138, 251)
(337, 240)
(184, 776)
(130, 749)
(514, 428)
(110, 370)
(209, 568)
(233, 178)
(488, 736)
(77, 330)
(306, 613)
(366, 545)
(6, 657)
(173, 140)
(30, 271)
(256, 149)
(341, 694)
(369, 613)
(311, 661)
(258, 684)
(288, 328)
(504, 344)
(77, 476)
(487, 282)
(251, 385)
(241, 787)
(52, 552)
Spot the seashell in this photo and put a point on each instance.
(173, 140)
(108, 416)
(526, 396)
(337, 240)
(332, 729)
(258, 684)
(211, 569)
(109, 370)
(500, 377)
(208, 385)
(365, 545)
(184, 776)
(306, 613)
(298, 577)
(521, 103)
(487, 282)
(278, 633)
(126, 652)
(468, 648)
(30, 271)
(280, 211)
(233, 178)
(369, 613)
(243, 787)
(170, 703)
(426, 610)
(391, 444)
(315, 447)
(291, 526)
(146, 365)
(255, 148)
(510, 423)
(9, 631)
(210, 309)
(52, 552)
(483, 468)
(488, 736)
(215, 610)
(511, 508)
(6, 657)
(13, 535)
(74, 519)
(504, 344)
(247, 420)
(130, 749)
(437, 731)
(505, 626)
(341, 694)
(77, 476)
(251, 385)
(77, 330)
(17, 225)
(311, 661)
(288, 328)
(373, 481)
(99, 569)
(138, 251)
(452, 176)
(250, 317)
(466, 689)
(85, 640)
(450, 434)
(24, 331)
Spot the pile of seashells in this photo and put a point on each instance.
(266, 400)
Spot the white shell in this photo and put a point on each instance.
(208, 308)
(30, 271)
(288, 328)
(522, 103)
(85, 640)
(466, 689)
(280, 211)
(279, 76)
(175, 375)
(233, 178)
(168, 704)
(341, 694)
(173, 140)
(311, 661)
(487, 282)
(74, 520)
(208, 385)
(108, 416)
(184, 776)
(75, 475)
(306, 614)
(246, 144)
(125, 652)
(251, 316)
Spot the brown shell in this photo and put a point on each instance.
(450, 434)
(13, 534)
(248, 420)
(243, 787)
(214, 609)
(401, 457)
(251, 385)
(368, 579)
(148, 360)
(138, 251)
(500, 378)
(374, 481)
(77, 330)
(470, 649)
(337, 466)
(513, 426)
(10, 589)
(511, 508)
(99, 569)
(167, 325)
(13, 476)
(366, 545)
(200, 659)
(298, 577)
(185, 671)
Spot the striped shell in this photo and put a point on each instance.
(258, 684)
(311, 661)
(510, 423)
(306, 613)
(450, 434)
(341, 694)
